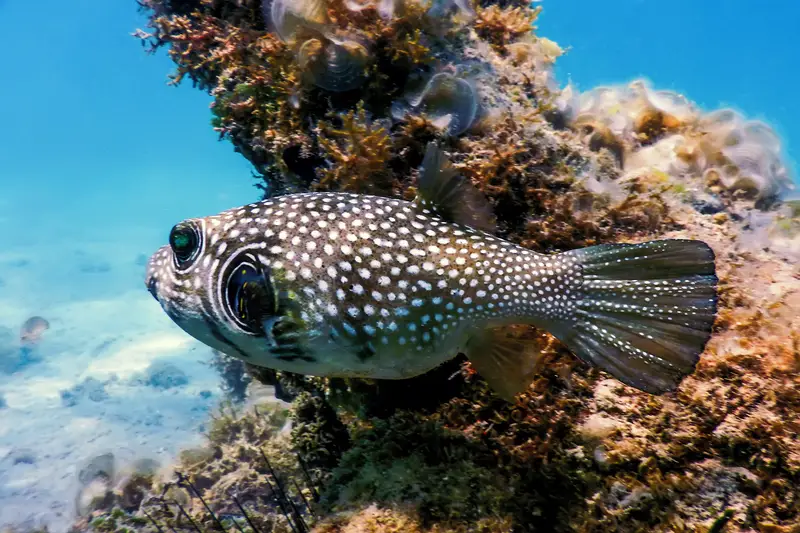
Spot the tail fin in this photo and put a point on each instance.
(644, 312)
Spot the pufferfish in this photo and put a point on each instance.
(350, 285)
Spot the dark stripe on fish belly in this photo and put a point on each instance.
(291, 358)
(366, 352)
(215, 332)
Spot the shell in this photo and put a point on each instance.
(335, 66)
(286, 17)
(720, 124)
(689, 157)
(385, 8)
(748, 157)
(450, 103)
(597, 136)
(758, 168)
(636, 112)
(659, 156)
(673, 104)
(443, 8)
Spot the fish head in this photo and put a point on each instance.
(215, 285)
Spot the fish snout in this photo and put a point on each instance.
(155, 268)
(152, 287)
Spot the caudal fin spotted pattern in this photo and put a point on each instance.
(645, 311)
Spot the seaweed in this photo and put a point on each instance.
(562, 170)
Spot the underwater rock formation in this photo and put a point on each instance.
(90, 388)
(562, 170)
(162, 375)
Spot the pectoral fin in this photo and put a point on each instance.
(507, 363)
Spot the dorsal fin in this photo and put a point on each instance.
(450, 195)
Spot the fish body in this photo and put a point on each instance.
(348, 285)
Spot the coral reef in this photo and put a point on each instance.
(344, 96)
(234, 378)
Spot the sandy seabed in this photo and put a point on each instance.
(84, 389)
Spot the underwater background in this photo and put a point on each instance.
(99, 157)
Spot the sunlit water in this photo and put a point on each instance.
(98, 158)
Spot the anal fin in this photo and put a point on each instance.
(507, 363)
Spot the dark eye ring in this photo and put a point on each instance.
(250, 295)
(184, 239)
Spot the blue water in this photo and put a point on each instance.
(99, 157)
(92, 134)
(719, 53)
(88, 115)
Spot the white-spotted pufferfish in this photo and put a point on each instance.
(350, 285)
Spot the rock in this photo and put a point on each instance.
(152, 418)
(597, 427)
(95, 496)
(99, 466)
(132, 487)
(90, 388)
(164, 375)
(707, 204)
(95, 478)
(22, 456)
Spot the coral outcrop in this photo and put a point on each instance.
(344, 95)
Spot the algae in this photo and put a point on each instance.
(562, 170)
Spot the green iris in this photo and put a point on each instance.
(183, 240)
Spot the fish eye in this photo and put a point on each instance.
(184, 239)
(250, 296)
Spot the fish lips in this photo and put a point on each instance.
(150, 277)
(152, 287)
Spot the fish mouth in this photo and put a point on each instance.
(152, 284)
(153, 266)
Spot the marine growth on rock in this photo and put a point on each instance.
(345, 95)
